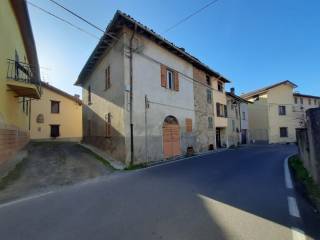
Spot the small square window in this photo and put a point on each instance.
(283, 132)
(55, 107)
(282, 110)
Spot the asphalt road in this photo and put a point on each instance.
(235, 194)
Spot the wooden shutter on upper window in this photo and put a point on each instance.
(176, 81)
(188, 125)
(108, 82)
(218, 109)
(163, 76)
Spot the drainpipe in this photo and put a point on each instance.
(131, 94)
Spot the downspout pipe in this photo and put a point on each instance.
(131, 94)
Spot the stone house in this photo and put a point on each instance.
(146, 99)
(238, 120)
(277, 112)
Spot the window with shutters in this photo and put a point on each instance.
(283, 132)
(89, 95)
(309, 100)
(170, 78)
(108, 125)
(209, 96)
(295, 100)
(315, 101)
(107, 78)
(188, 125)
(282, 110)
(225, 114)
(221, 110)
(210, 123)
(301, 100)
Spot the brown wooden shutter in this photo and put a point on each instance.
(107, 76)
(163, 76)
(218, 109)
(188, 125)
(176, 81)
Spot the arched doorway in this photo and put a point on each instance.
(171, 137)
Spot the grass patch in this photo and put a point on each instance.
(135, 166)
(13, 174)
(303, 176)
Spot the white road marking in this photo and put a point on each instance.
(287, 174)
(24, 199)
(297, 234)
(293, 208)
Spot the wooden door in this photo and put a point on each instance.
(171, 139)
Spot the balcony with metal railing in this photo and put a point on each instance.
(22, 80)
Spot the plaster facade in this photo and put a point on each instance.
(69, 117)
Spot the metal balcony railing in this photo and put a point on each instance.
(22, 72)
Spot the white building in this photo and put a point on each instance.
(138, 94)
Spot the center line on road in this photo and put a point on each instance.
(287, 174)
(293, 208)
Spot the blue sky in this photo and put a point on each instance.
(252, 43)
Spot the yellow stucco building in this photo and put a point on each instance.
(273, 116)
(19, 77)
(56, 116)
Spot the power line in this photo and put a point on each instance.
(143, 55)
(77, 15)
(83, 19)
(188, 78)
(191, 15)
(63, 20)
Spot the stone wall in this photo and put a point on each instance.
(204, 135)
(308, 140)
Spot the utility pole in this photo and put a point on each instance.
(131, 95)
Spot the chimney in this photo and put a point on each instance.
(232, 90)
